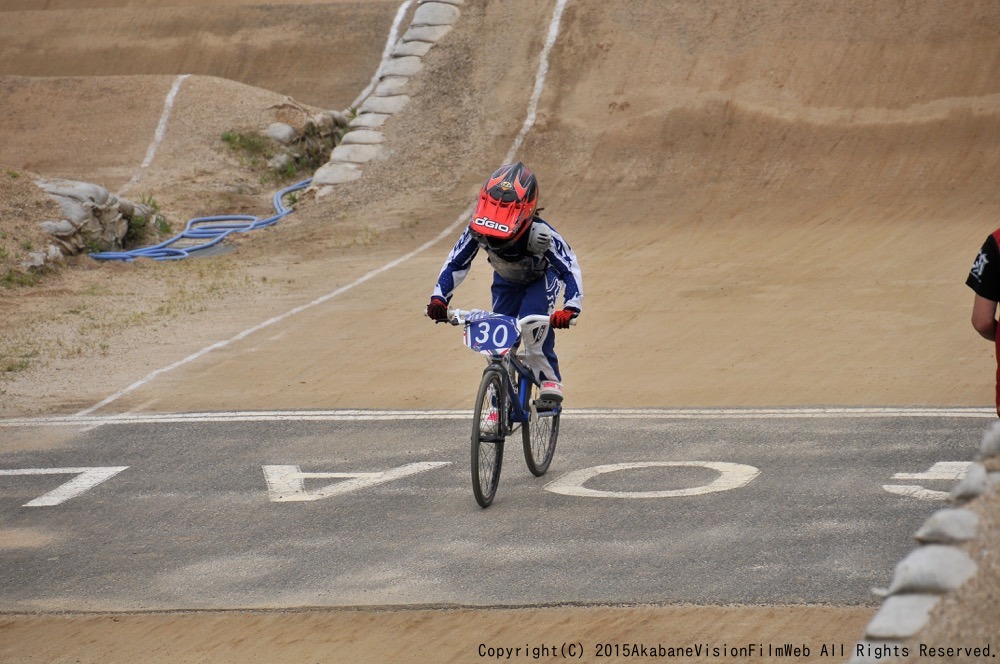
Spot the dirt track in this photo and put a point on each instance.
(774, 203)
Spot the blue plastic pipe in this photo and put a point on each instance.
(210, 229)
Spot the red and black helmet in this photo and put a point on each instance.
(506, 205)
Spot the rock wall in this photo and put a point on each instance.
(431, 21)
(93, 219)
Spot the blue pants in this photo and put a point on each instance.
(538, 297)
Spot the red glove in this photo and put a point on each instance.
(561, 319)
(437, 310)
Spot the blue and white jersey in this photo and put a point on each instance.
(517, 265)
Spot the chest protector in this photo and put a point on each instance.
(524, 264)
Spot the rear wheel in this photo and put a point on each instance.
(539, 435)
(487, 437)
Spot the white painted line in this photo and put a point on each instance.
(462, 218)
(778, 413)
(87, 478)
(271, 321)
(731, 476)
(161, 128)
(90, 421)
(543, 70)
(161, 132)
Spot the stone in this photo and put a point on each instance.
(384, 105)
(340, 119)
(391, 86)
(932, 569)
(435, 13)
(130, 209)
(74, 190)
(972, 485)
(321, 122)
(406, 66)
(901, 616)
(369, 121)
(40, 259)
(990, 446)
(61, 228)
(414, 48)
(948, 526)
(280, 161)
(73, 211)
(427, 33)
(331, 173)
(355, 154)
(362, 136)
(322, 192)
(281, 132)
(35, 261)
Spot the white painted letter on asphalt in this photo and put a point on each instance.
(732, 476)
(286, 484)
(86, 478)
(942, 470)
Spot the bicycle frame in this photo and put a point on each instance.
(512, 365)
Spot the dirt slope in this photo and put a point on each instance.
(774, 204)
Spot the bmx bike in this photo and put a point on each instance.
(508, 398)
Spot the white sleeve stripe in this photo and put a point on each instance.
(561, 254)
(457, 266)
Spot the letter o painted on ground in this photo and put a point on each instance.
(731, 476)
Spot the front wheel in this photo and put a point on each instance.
(487, 437)
(539, 435)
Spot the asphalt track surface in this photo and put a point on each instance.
(203, 511)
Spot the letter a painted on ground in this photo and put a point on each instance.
(286, 484)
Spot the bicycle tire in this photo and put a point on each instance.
(488, 437)
(539, 435)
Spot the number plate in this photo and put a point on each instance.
(491, 334)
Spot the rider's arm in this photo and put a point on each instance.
(456, 267)
(563, 259)
(984, 317)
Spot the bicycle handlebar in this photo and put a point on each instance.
(458, 316)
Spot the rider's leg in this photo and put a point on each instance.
(538, 297)
(540, 343)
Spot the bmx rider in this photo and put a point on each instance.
(531, 264)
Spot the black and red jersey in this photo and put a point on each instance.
(984, 277)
